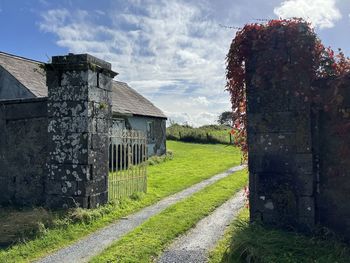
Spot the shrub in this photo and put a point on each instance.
(203, 134)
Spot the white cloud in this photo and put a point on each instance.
(321, 13)
(170, 52)
(201, 100)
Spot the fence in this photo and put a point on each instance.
(127, 163)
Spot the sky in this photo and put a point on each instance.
(171, 51)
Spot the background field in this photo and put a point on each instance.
(203, 134)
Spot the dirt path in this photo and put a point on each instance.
(95, 243)
(195, 245)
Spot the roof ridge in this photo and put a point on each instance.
(20, 57)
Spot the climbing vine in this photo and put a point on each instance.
(296, 37)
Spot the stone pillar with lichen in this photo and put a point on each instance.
(79, 114)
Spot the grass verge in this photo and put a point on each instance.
(244, 242)
(147, 241)
(45, 231)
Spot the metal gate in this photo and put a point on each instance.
(127, 163)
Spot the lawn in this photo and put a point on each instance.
(244, 242)
(147, 241)
(191, 164)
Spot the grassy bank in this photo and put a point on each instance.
(146, 242)
(45, 231)
(244, 242)
(204, 134)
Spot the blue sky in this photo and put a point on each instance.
(172, 52)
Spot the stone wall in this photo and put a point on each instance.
(23, 151)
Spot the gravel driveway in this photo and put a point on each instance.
(96, 242)
(195, 245)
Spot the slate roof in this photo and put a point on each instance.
(125, 100)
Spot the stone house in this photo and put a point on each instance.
(57, 121)
(22, 78)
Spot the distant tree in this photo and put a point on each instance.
(225, 118)
(171, 122)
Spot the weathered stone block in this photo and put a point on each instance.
(69, 93)
(88, 188)
(69, 172)
(98, 171)
(105, 82)
(263, 143)
(74, 78)
(304, 163)
(98, 157)
(304, 184)
(271, 162)
(99, 141)
(69, 148)
(101, 110)
(103, 125)
(303, 133)
(283, 122)
(98, 199)
(306, 207)
(68, 109)
(64, 202)
(63, 125)
(99, 95)
(267, 100)
(64, 188)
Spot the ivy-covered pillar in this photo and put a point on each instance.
(281, 173)
(79, 112)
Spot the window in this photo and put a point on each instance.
(150, 130)
(118, 124)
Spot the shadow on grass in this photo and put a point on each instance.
(261, 244)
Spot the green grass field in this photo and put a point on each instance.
(46, 231)
(147, 241)
(244, 242)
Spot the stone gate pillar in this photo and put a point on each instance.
(282, 179)
(79, 112)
